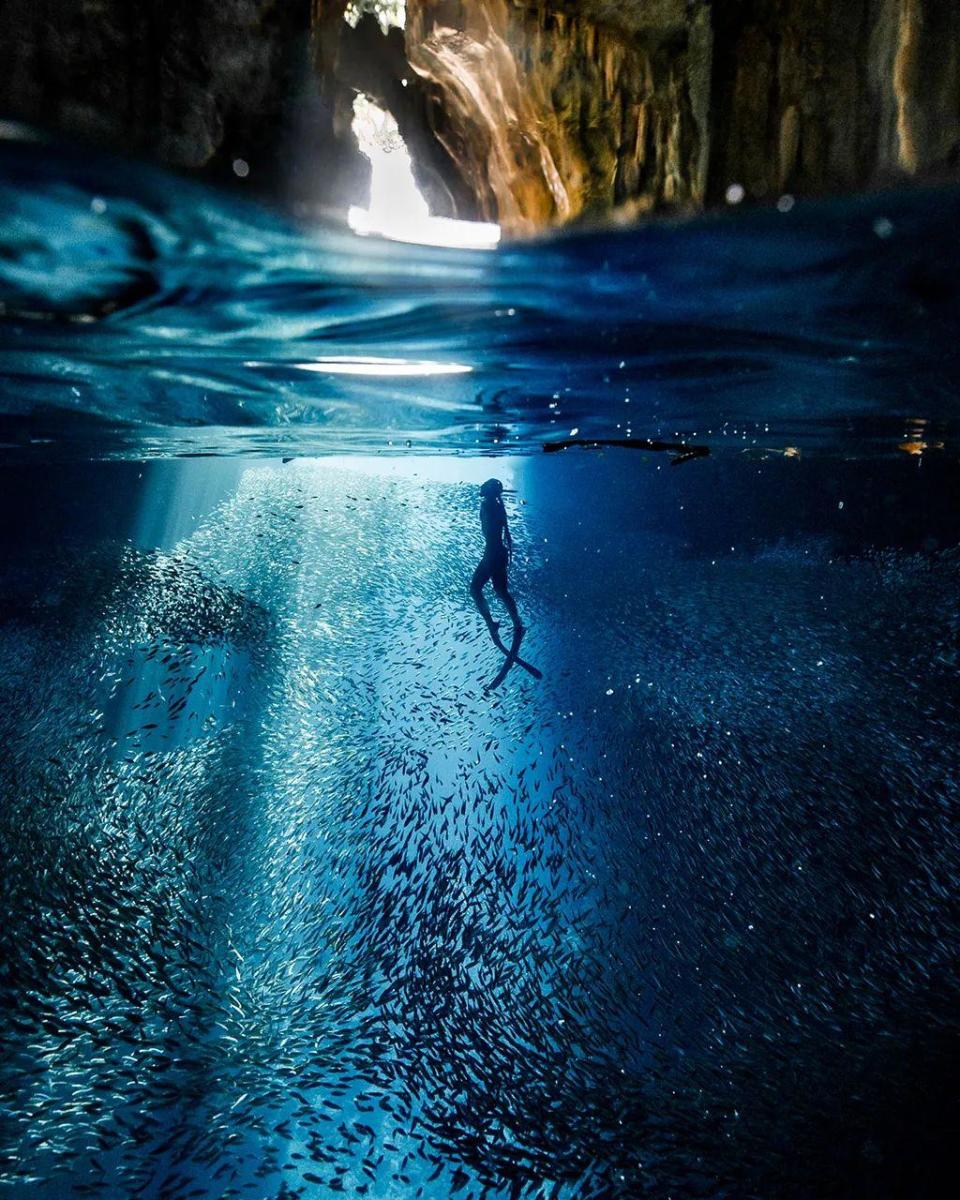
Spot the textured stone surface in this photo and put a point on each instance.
(192, 82)
(530, 112)
(813, 95)
(550, 116)
(554, 111)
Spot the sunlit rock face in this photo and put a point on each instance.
(554, 111)
(549, 116)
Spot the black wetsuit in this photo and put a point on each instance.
(493, 565)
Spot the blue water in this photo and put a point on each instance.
(144, 315)
(293, 903)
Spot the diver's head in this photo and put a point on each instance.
(492, 487)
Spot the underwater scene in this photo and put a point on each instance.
(335, 861)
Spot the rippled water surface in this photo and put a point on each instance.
(293, 902)
(145, 315)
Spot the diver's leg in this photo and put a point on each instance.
(480, 577)
(511, 606)
(499, 577)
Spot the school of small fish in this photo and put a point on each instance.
(292, 905)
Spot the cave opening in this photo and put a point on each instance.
(397, 209)
(391, 14)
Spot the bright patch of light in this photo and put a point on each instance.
(13, 131)
(397, 209)
(383, 367)
(432, 468)
(428, 231)
(387, 12)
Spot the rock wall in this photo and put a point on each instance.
(818, 95)
(530, 112)
(195, 83)
(550, 116)
(553, 111)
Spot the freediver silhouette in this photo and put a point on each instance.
(492, 568)
(497, 553)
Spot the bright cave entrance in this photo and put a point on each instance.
(397, 209)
